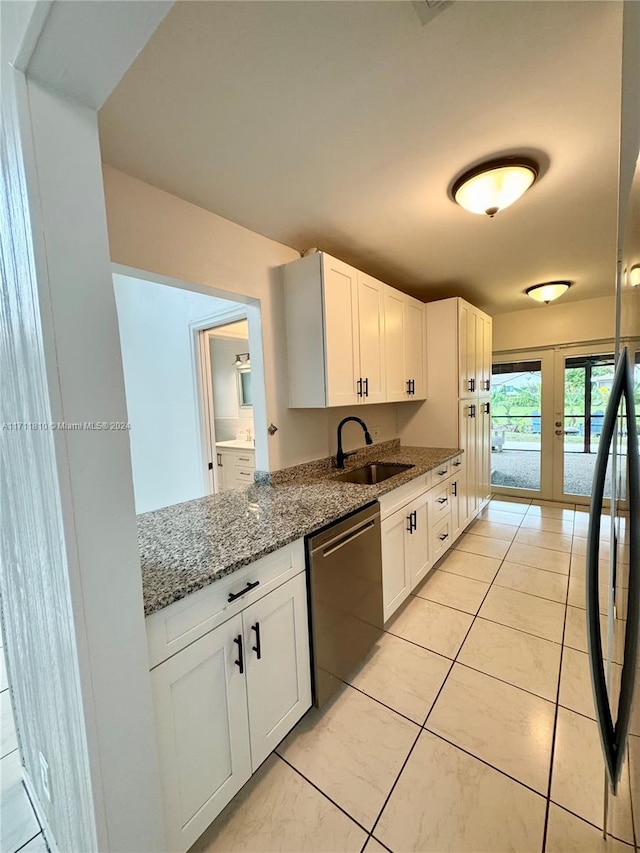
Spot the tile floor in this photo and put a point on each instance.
(19, 827)
(470, 727)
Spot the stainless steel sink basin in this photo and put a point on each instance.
(374, 472)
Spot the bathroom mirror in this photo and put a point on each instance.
(245, 400)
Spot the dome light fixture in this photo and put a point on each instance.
(634, 275)
(494, 185)
(548, 291)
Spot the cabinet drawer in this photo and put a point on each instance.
(244, 459)
(440, 500)
(441, 473)
(395, 500)
(441, 537)
(244, 476)
(456, 464)
(179, 624)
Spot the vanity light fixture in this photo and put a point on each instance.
(494, 185)
(634, 275)
(548, 291)
(242, 360)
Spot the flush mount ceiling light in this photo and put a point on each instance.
(634, 275)
(548, 291)
(494, 185)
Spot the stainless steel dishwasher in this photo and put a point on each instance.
(345, 596)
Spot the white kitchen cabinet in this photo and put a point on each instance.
(458, 497)
(405, 346)
(484, 450)
(469, 441)
(203, 732)
(405, 552)
(276, 632)
(350, 338)
(225, 701)
(467, 349)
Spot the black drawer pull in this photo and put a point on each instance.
(248, 588)
(457, 464)
(442, 473)
(258, 646)
(443, 537)
(240, 662)
(442, 500)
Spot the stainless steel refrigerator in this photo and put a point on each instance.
(613, 584)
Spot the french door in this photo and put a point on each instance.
(547, 412)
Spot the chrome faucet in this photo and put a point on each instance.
(341, 455)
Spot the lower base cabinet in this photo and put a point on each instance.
(223, 704)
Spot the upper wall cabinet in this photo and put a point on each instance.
(474, 350)
(339, 342)
(404, 333)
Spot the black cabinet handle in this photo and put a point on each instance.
(240, 662)
(366, 387)
(443, 537)
(219, 455)
(457, 464)
(487, 408)
(258, 646)
(487, 385)
(472, 411)
(472, 385)
(455, 489)
(359, 384)
(442, 500)
(412, 518)
(409, 391)
(233, 595)
(442, 473)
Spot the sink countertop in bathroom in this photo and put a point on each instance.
(190, 545)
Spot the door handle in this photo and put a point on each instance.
(613, 735)
(258, 646)
(408, 386)
(472, 411)
(472, 385)
(366, 387)
(413, 521)
(455, 489)
(240, 662)
(359, 387)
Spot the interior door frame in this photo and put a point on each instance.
(546, 359)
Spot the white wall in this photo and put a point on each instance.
(161, 389)
(154, 231)
(551, 325)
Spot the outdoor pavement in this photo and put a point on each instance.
(521, 469)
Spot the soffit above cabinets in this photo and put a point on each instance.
(342, 125)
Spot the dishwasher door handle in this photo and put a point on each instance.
(341, 541)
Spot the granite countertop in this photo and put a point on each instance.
(190, 545)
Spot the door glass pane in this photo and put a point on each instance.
(516, 424)
(587, 388)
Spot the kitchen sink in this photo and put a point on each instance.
(374, 472)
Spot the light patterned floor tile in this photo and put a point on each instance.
(575, 683)
(402, 675)
(544, 539)
(580, 548)
(563, 512)
(578, 594)
(352, 750)
(550, 525)
(533, 581)
(8, 739)
(36, 845)
(509, 729)
(500, 517)
(431, 625)
(567, 833)
(575, 633)
(528, 613)
(493, 530)
(577, 781)
(539, 558)
(579, 570)
(279, 810)
(453, 591)
(446, 800)
(518, 506)
(374, 846)
(18, 822)
(521, 659)
(469, 565)
(482, 545)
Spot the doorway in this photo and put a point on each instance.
(547, 414)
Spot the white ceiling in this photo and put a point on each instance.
(342, 124)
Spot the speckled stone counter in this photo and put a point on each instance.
(190, 545)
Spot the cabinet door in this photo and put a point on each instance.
(417, 546)
(371, 329)
(221, 484)
(467, 343)
(468, 420)
(394, 340)
(485, 354)
(341, 350)
(395, 579)
(458, 501)
(484, 451)
(276, 632)
(415, 347)
(203, 731)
